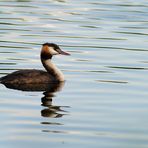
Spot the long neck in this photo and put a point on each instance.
(52, 69)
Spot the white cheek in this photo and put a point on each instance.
(52, 51)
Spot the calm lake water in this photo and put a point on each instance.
(104, 102)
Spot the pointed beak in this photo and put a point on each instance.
(62, 52)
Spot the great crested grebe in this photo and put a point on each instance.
(52, 75)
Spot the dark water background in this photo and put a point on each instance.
(104, 102)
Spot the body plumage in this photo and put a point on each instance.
(51, 75)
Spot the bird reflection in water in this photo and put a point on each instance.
(49, 90)
(52, 110)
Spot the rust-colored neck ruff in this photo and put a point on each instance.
(49, 66)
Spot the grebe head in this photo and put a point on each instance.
(48, 50)
(51, 49)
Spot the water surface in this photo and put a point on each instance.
(104, 102)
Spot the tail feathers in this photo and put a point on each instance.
(1, 80)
